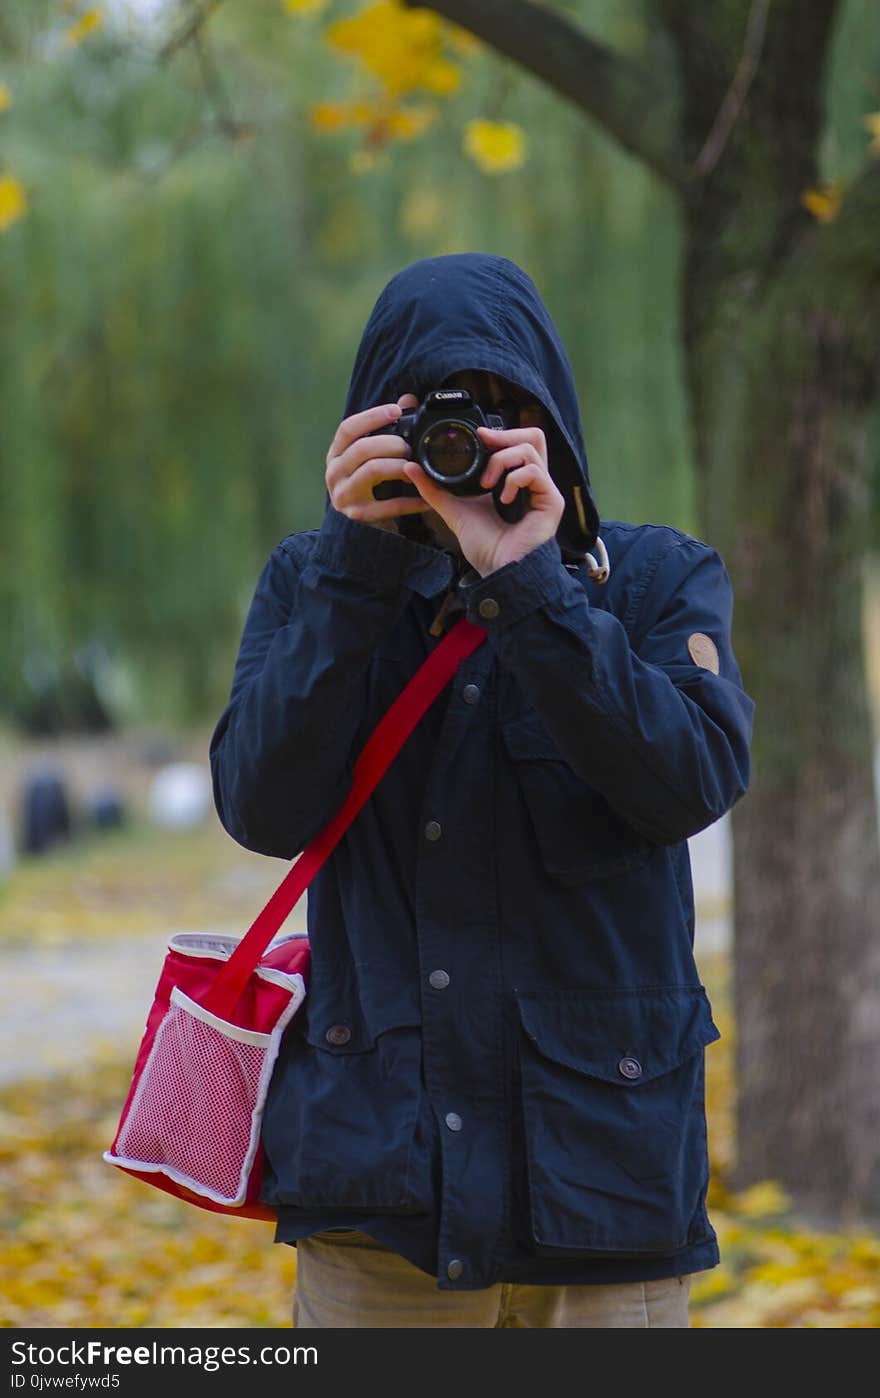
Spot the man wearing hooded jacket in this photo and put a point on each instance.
(490, 1110)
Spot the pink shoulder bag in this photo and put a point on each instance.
(191, 1121)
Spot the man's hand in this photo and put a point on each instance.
(355, 463)
(486, 541)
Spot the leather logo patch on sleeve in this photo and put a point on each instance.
(704, 652)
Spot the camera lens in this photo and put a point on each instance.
(449, 450)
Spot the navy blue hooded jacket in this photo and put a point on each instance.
(499, 1067)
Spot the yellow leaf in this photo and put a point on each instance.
(88, 20)
(385, 122)
(336, 116)
(402, 48)
(329, 116)
(13, 201)
(824, 203)
(303, 7)
(778, 1272)
(865, 1250)
(710, 1285)
(409, 122)
(442, 78)
(761, 1200)
(496, 146)
(818, 204)
(5, 97)
(872, 122)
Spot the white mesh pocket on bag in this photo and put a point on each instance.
(196, 1112)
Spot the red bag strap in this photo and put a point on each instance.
(377, 754)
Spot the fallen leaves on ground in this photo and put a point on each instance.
(86, 1246)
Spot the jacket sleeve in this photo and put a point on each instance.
(282, 751)
(662, 737)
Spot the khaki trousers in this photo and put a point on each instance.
(349, 1281)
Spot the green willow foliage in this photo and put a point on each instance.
(180, 311)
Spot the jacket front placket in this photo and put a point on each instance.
(459, 956)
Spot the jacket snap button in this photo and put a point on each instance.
(454, 1269)
(470, 694)
(630, 1067)
(338, 1034)
(439, 980)
(488, 608)
(453, 1121)
(433, 830)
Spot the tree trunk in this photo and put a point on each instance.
(781, 417)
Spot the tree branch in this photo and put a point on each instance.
(191, 35)
(625, 98)
(189, 30)
(736, 93)
(225, 119)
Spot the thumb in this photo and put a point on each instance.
(429, 490)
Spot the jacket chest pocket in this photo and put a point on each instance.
(614, 1119)
(579, 836)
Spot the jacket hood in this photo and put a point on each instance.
(443, 315)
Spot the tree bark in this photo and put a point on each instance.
(806, 852)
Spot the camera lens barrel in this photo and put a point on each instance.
(451, 453)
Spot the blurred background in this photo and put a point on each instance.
(199, 204)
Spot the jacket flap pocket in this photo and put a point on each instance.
(338, 1034)
(333, 1019)
(350, 1006)
(342, 1027)
(578, 834)
(626, 1038)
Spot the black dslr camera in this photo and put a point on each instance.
(442, 433)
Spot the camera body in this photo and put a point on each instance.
(442, 433)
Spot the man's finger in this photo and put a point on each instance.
(367, 449)
(348, 488)
(359, 424)
(428, 489)
(510, 436)
(506, 458)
